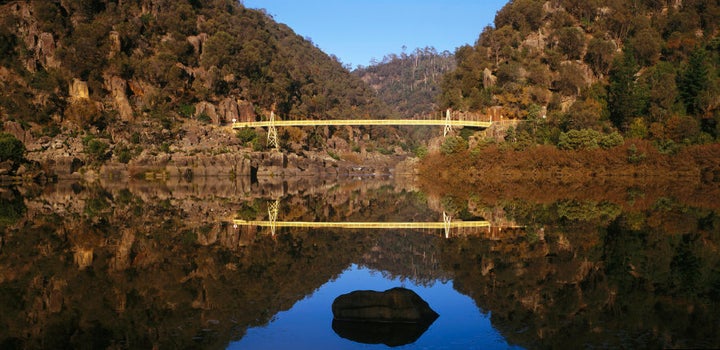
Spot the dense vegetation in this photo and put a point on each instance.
(151, 65)
(646, 69)
(409, 83)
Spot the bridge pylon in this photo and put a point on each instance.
(448, 127)
(273, 210)
(447, 220)
(272, 136)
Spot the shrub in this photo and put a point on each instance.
(579, 139)
(96, 149)
(11, 148)
(421, 151)
(246, 135)
(453, 144)
(186, 111)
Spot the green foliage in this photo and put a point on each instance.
(588, 139)
(246, 135)
(12, 207)
(11, 148)
(186, 111)
(333, 155)
(694, 82)
(420, 151)
(95, 149)
(453, 144)
(626, 96)
(588, 211)
(408, 83)
(571, 42)
(523, 15)
(204, 118)
(634, 156)
(600, 54)
(124, 153)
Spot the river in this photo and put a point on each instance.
(173, 264)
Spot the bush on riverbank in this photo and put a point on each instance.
(634, 158)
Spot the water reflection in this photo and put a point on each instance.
(142, 265)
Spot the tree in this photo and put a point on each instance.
(694, 81)
(626, 97)
(571, 42)
(522, 15)
(572, 79)
(646, 46)
(599, 55)
(11, 148)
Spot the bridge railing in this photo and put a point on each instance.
(448, 123)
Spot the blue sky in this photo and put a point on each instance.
(358, 30)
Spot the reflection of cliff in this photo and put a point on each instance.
(115, 270)
(147, 265)
(139, 264)
(641, 280)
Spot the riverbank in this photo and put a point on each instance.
(544, 172)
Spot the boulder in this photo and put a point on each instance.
(394, 317)
(393, 305)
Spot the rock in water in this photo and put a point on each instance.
(394, 317)
(393, 305)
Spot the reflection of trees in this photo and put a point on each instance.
(118, 270)
(639, 279)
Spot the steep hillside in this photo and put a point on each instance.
(647, 69)
(409, 84)
(150, 74)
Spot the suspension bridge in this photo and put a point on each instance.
(272, 139)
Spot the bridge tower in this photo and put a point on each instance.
(273, 209)
(272, 136)
(448, 127)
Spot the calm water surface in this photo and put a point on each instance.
(142, 265)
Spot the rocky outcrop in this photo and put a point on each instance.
(207, 109)
(197, 42)
(118, 87)
(115, 46)
(394, 317)
(246, 111)
(489, 79)
(393, 305)
(228, 110)
(45, 51)
(78, 90)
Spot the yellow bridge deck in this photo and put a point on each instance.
(365, 225)
(431, 122)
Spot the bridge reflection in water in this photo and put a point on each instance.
(448, 225)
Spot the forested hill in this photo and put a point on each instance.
(93, 63)
(647, 68)
(409, 83)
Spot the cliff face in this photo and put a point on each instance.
(648, 69)
(159, 76)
